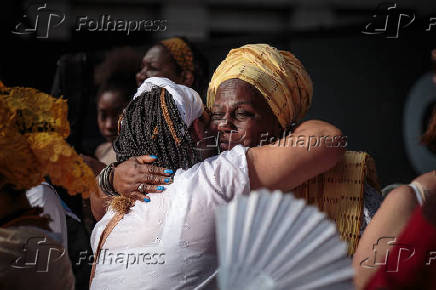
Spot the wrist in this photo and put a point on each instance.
(105, 180)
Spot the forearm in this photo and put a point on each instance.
(385, 227)
(99, 203)
(286, 163)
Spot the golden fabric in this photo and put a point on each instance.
(339, 193)
(180, 51)
(278, 75)
(33, 129)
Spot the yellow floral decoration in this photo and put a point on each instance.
(33, 129)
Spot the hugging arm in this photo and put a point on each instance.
(272, 166)
(284, 165)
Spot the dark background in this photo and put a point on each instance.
(360, 81)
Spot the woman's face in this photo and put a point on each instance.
(241, 115)
(109, 107)
(157, 62)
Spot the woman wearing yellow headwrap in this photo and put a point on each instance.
(255, 95)
(278, 75)
(33, 128)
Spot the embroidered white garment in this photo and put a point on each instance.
(169, 243)
(187, 100)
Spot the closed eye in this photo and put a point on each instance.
(217, 116)
(245, 113)
(242, 114)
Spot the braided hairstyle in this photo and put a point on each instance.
(151, 125)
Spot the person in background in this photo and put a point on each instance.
(398, 213)
(115, 79)
(179, 60)
(411, 261)
(33, 129)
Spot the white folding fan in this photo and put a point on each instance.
(270, 240)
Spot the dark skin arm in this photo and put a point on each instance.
(285, 167)
(99, 203)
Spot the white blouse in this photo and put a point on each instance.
(169, 243)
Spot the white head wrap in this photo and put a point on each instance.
(187, 100)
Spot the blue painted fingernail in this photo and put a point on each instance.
(167, 180)
(160, 187)
(146, 200)
(168, 171)
(153, 156)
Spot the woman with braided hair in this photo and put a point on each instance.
(162, 132)
(169, 242)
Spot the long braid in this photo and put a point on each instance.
(152, 125)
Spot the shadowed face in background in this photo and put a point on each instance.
(158, 62)
(241, 115)
(109, 107)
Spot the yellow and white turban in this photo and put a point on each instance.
(278, 75)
